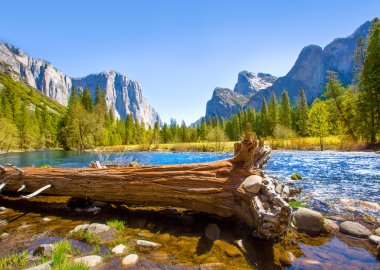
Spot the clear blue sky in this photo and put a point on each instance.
(179, 50)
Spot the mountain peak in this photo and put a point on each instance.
(249, 83)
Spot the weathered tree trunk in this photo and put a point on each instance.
(215, 187)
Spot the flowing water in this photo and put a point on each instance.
(339, 184)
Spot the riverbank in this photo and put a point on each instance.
(330, 143)
(334, 143)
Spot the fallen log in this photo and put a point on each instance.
(233, 187)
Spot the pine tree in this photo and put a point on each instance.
(86, 100)
(273, 113)
(369, 93)
(285, 110)
(303, 114)
(334, 92)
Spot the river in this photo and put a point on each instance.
(339, 184)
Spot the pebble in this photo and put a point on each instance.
(354, 229)
(44, 266)
(78, 228)
(46, 219)
(120, 249)
(130, 260)
(374, 239)
(44, 249)
(212, 232)
(90, 261)
(253, 183)
(4, 235)
(146, 245)
(3, 222)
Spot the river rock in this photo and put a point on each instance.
(130, 260)
(44, 266)
(144, 245)
(212, 232)
(354, 229)
(120, 249)
(90, 261)
(44, 249)
(308, 220)
(4, 236)
(330, 226)
(287, 258)
(3, 223)
(377, 231)
(97, 228)
(374, 239)
(46, 219)
(253, 183)
(378, 251)
(78, 228)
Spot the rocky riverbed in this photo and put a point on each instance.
(119, 237)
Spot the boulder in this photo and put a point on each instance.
(144, 245)
(44, 249)
(130, 260)
(212, 232)
(308, 220)
(44, 266)
(253, 183)
(119, 249)
(354, 229)
(330, 226)
(90, 261)
(374, 239)
(377, 231)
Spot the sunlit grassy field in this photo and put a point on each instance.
(298, 143)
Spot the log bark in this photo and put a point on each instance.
(213, 187)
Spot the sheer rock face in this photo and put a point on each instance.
(308, 72)
(225, 103)
(249, 83)
(124, 94)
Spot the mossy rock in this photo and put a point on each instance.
(296, 176)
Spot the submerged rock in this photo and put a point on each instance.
(308, 220)
(97, 228)
(120, 249)
(144, 245)
(287, 258)
(374, 239)
(44, 266)
(330, 226)
(354, 229)
(90, 261)
(252, 183)
(212, 232)
(78, 228)
(44, 249)
(130, 260)
(296, 176)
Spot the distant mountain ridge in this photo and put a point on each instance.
(308, 72)
(124, 94)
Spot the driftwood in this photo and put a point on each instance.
(220, 187)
